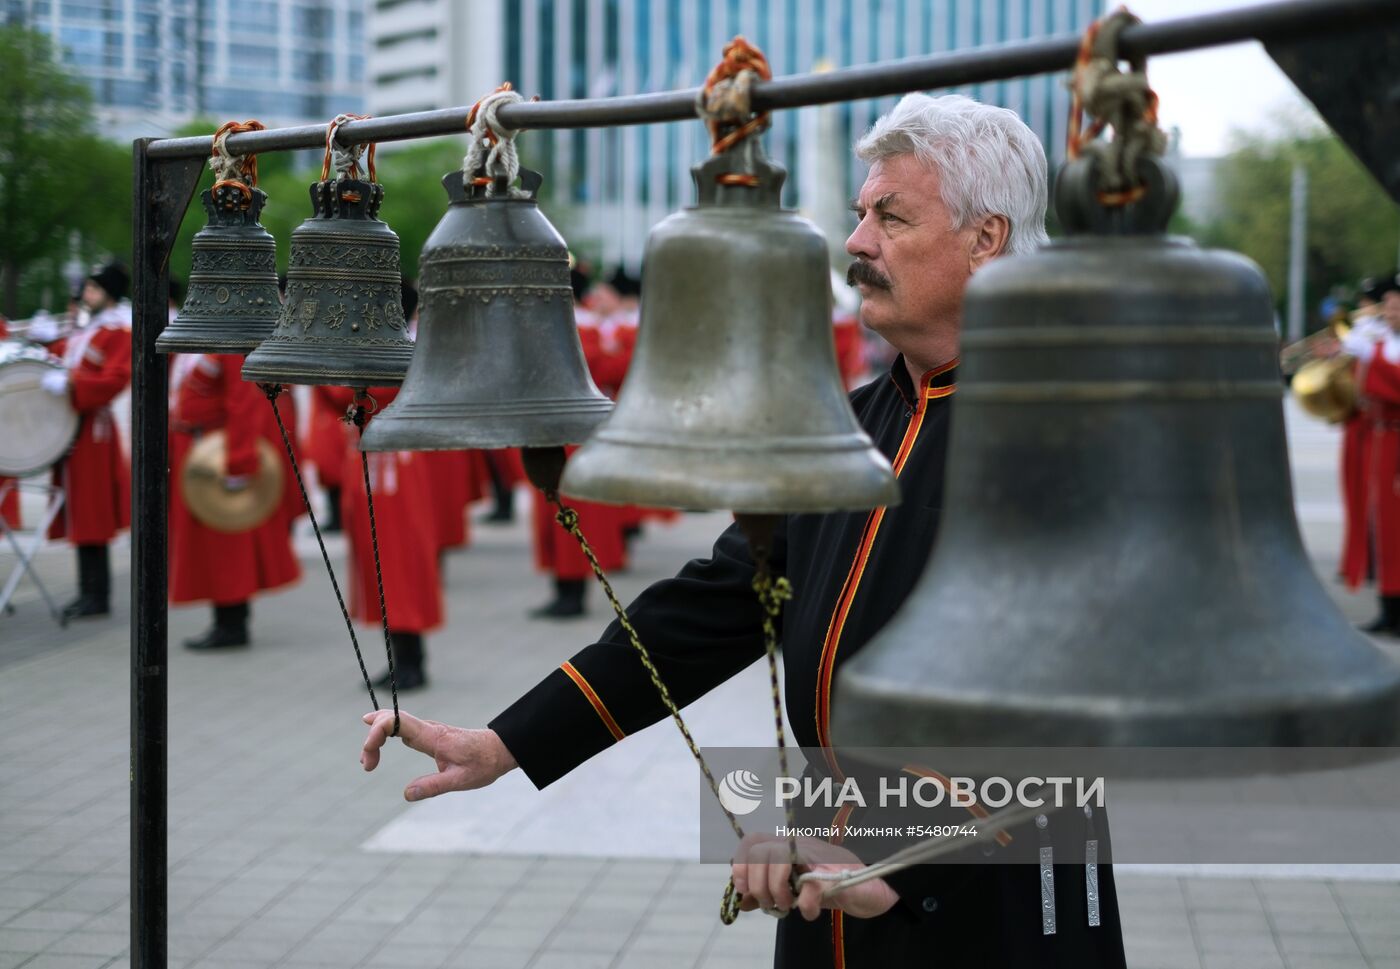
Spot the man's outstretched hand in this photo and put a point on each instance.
(466, 759)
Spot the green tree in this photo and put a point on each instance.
(56, 174)
(1353, 227)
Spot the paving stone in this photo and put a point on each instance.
(109, 944)
(49, 960)
(492, 957)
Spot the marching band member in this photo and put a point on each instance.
(1378, 379)
(9, 505)
(225, 568)
(95, 477)
(556, 551)
(1355, 564)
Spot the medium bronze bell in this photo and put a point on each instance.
(342, 322)
(733, 400)
(232, 303)
(498, 360)
(1118, 563)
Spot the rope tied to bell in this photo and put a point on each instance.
(345, 159)
(725, 102)
(491, 159)
(1113, 98)
(234, 171)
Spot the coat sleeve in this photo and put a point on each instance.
(95, 388)
(241, 400)
(1380, 379)
(700, 628)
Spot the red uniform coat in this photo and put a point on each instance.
(406, 523)
(94, 475)
(557, 551)
(451, 476)
(9, 505)
(207, 393)
(1356, 551)
(325, 438)
(1380, 384)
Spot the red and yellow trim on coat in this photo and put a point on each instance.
(851, 586)
(599, 707)
(975, 809)
(838, 917)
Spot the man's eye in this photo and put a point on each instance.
(890, 217)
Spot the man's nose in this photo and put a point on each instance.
(861, 242)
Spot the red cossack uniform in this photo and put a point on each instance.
(453, 485)
(95, 476)
(206, 565)
(407, 527)
(9, 505)
(1356, 543)
(1380, 386)
(556, 551)
(850, 348)
(326, 438)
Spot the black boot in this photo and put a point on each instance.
(504, 511)
(567, 603)
(408, 662)
(332, 523)
(230, 629)
(1387, 623)
(94, 584)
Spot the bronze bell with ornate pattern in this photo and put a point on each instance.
(342, 322)
(232, 303)
(498, 361)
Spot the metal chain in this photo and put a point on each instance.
(358, 418)
(772, 593)
(568, 520)
(273, 391)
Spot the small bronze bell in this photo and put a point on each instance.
(498, 361)
(232, 303)
(733, 400)
(1119, 563)
(342, 322)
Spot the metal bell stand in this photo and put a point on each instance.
(1341, 53)
(53, 504)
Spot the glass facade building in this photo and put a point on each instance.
(153, 64)
(626, 179)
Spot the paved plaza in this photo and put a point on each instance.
(285, 855)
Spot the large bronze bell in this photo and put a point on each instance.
(498, 362)
(342, 322)
(733, 400)
(1118, 563)
(232, 303)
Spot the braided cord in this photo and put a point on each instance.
(273, 391)
(358, 418)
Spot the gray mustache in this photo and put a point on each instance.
(863, 272)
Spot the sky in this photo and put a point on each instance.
(1207, 93)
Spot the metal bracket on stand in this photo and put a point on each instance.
(24, 566)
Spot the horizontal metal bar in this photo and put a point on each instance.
(1268, 21)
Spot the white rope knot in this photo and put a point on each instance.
(226, 167)
(492, 148)
(344, 158)
(730, 101)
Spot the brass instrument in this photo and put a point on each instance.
(1324, 382)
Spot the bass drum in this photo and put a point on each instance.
(36, 427)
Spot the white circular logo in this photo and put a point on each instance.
(740, 792)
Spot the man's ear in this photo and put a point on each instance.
(990, 240)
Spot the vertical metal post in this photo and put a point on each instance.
(161, 194)
(1297, 253)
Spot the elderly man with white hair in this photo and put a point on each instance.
(952, 184)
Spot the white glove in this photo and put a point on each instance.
(237, 482)
(55, 382)
(43, 329)
(1359, 346)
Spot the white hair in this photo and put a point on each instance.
(988, 162)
